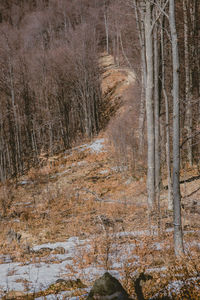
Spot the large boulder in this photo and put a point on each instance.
(108, 287)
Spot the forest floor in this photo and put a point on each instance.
(81, 213)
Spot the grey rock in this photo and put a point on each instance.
(108, 287)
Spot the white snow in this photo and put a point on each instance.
(41, 274)
(97, 146)
(119, 168)
(175, 287)
(133, 233)
(69, 244)
(79, 163)
(158, 246)
(60, 173)
(5, 259)
(102, 172)
(24, 182)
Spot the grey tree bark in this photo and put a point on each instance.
(167, 127)
(188, 95)
(140, 27)
(178, 236)
(157, 117)
(149, 107)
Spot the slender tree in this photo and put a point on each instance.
(178, 236)
(149, 107)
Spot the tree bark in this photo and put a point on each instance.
(178, 236)
(141, 33)
(168, 151)
(149, 108)
(188, 96)
(157, 118)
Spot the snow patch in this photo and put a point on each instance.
(103, 172)
(97, 146)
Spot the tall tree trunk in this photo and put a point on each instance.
(149, 107)
(141, 33)
(168, 151)
(188, 96)
(157, 118)
(106, 30)
(178, 236)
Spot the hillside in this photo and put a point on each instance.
(82, 212)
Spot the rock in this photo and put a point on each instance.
(108, 287)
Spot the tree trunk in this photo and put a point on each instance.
(157, 118)
(141, 33)
(188, 96)
(107, 32)
(168, 151)
(178, 236)
(149, 108)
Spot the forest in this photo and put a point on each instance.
(50, 76)
(51, 96)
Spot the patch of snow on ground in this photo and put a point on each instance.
(133, 233)
(63, 295)
(119, 168)
(158, 246)
(24, 182)
(22, 203)
(69, 244)
(102, 172)
(60, 173)
(5, 259)
(97, 146)
(79, 163)
(41, 274)
(156, 270)
(176, 286)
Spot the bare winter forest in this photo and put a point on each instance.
(99, 145)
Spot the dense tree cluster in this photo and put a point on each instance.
(49, 81)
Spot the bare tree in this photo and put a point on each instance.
(188, 87)
(178, 236)
(167, 120)
(149, 106)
